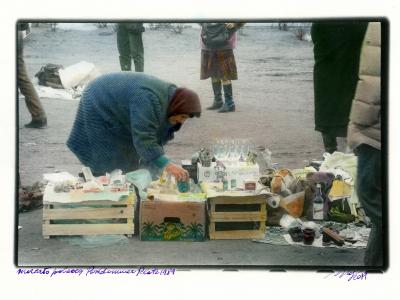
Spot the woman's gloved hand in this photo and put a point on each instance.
(179, 173)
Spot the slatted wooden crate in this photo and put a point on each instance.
(229, 214)
(95, 217)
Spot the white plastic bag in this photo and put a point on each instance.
(141, 179)
(345, 165)
(78, 74)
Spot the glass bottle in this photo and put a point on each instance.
(318, 204)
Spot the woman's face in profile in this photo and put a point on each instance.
(178, 119)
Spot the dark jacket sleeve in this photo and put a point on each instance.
(145, 127)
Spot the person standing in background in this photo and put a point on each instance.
(218, 62)
(364, 137)
(130, 46)
(337, 54)
(39, 118)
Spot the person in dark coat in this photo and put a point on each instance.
(130, 46)
(337, 53)
(124, 119)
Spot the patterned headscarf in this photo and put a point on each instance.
(184, 101)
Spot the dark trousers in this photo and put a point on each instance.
(369, 190)
(26, 87)
(330, 142)
(130, 46)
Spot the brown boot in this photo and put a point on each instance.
(217, 104)
(38, 124)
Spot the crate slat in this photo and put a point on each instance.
(86, 229)
(237, 216)
(105, 210)
(88, 213)
(237, 234)
(236, 200)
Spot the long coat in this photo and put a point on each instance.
(336, 53)
(365, 117)
(121, 119)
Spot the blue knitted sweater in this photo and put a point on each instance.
(121, 119)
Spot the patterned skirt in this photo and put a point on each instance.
(218, 64)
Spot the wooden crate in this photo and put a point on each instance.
(116, 217)
(246, 209)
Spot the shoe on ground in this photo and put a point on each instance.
(38, 124)
(225, 108)
(215, 106)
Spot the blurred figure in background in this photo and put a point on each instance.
(39, 119)
(337, 54)
(218, 62)
(364, 136)
(130, 46)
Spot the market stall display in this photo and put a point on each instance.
(234, 192)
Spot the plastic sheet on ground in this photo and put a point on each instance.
(48, 92)
(276, 235)
(73, 78)
(94, 241)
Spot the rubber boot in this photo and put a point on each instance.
(330, 143)
(229, 105)
(139, 66)
(216, 85)
(125, 63)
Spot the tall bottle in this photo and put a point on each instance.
(318, 204)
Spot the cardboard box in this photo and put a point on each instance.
(240, 172)
(206, 174)
(178, 220)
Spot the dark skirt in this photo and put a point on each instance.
(218, 64)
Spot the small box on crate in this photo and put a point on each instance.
(239, 172)
(172, 220)
(206, 174)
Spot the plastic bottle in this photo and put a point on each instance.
(318, 204)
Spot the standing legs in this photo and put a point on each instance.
(217, 89)
(229, 105)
